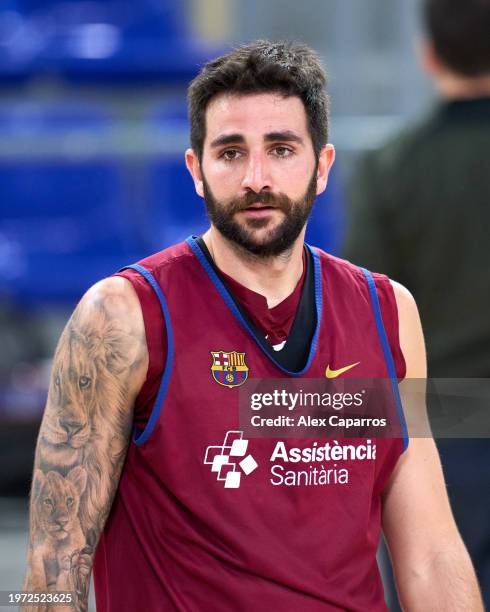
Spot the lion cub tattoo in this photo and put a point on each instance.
(56, 502)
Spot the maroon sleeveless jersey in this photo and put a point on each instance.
(198, 523)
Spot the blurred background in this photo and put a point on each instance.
(92, 133)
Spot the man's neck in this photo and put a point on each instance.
(274, 277)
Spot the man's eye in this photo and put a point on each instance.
(57, 381)
(48, 502)
(230, 154)
(282, 151)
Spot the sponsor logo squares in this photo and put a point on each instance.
(225, 461)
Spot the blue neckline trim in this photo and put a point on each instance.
(140, 438)
(390, 364)
(223, 291)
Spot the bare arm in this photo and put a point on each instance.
(432, 567)
(99, 366)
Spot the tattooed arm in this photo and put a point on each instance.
(99, 367)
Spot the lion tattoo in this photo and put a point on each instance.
(89, 396)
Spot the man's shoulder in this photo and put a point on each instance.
(407, 141)
(172, 268)
(430, 138)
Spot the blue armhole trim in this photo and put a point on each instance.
(140, 437)
(387, 353)
(232, 306)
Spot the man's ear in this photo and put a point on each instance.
(194, 166)
(325, 162)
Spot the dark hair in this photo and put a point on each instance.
(460, 32)
(291, 69)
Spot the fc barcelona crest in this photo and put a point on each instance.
(229, 368)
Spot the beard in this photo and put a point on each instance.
(279, 238)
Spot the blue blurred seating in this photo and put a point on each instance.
(62, 227)
(64, 220)
(327, 223)
(80, 40)
(175, 210)
(44, 118)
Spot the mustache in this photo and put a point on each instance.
(268, 198)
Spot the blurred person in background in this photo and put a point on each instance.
(420, 213)
(140, 453)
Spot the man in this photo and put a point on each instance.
(420, 213)
(191, 527)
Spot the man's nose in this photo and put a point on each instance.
(257, 176)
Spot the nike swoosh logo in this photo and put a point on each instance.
(334, 373)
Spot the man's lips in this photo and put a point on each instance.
(259, 205)
(258, 210)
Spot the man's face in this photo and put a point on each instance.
(258, 172)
